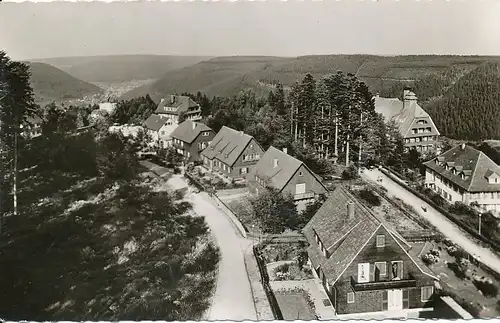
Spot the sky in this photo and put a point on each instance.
(293, 28)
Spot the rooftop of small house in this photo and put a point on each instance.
(227, 145)
(154, 122)
(188, 130)
(176, 104)
(278, 167)
(467, 167)
(344, 226)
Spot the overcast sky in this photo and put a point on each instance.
(39, 30)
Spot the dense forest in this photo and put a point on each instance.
(464, 102)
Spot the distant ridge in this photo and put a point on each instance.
(229, 75)
(120, 68)
(52, 84)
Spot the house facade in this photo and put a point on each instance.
(279, 170)
(465, 174)
(232, 153)
(173, 106)
(414, 124)
(190, 138)
(160, 130)
(365, 266)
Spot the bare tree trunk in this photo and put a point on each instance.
(336, 136)
(347, 151)
(291, 119)
(360, 142)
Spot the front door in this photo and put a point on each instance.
(395, 300)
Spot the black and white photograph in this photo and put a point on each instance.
(249, 160)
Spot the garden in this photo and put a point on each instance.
(295, 304)
(211, 179)
(471, 287)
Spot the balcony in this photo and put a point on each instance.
(304, 196)
(383, 284)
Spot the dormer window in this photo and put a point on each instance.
(275, 162)
(463, 176)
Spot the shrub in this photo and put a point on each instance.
(458, 270)
(283, 268)
(429, 259)
(486, 286)
(177, 170)
(350, 173)
(370, 197)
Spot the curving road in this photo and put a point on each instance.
(233, 296)
(449, 229)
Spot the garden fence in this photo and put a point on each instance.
(265, 283)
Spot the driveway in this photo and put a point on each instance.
(233, 295)
(449, 229)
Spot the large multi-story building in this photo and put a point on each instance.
(465, 174)
(364, 265)
(414, 124)
(173, 106)
(190, 138)
(233, 153)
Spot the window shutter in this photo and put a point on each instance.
(406, 298)
(384, 301)
(372, 272)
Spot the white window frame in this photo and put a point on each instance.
(377, 241)
(429, 288)
(384, 265)
(350, 298)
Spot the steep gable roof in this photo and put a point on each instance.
(280, 175)
(344, 237)
(188, 130)
(180, 104)
(154, 122)
(227, 145)
(472, 163)
(403, 115)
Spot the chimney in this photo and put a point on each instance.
(350, 210)
(172, 99)
(462, 146)
(275, 162)
(194, 125)
(408, 98)
(285, 150)
(241, 133)
(406, 91)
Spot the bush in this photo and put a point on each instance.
(283, 268)
(370, 197)
(430, 259)
(486, 286)
(350, 173)
(458, 270)
(177, 170)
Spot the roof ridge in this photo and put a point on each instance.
(475, 168)
(345, 235)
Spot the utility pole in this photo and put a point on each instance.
(336, 135)
(480, 223)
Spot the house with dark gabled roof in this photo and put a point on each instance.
(465, 174)
(281, 171)
(160, 130)
(413, 122)
(190, 138)
(363, 264)
(172, 106)
(233, 153)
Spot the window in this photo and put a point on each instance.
(406, 298)
(363, 273)
(300, 174)
(205, 133)
(163, 133)
(251, 146)
(380, 241)
(384, 301)
(300, 188)
(243, 170)
(380, 269)
(426, 293)
(350, 297)
(397, 270)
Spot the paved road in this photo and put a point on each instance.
(233, 296)
(449, 229)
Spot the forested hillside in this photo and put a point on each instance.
(121, 68)
(50, 83)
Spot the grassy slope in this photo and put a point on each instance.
(227, 75)
(50, 83)
(121, 68)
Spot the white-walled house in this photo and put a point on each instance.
(126, 130)
(160, 130)
(172, 106)
(466, 175)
